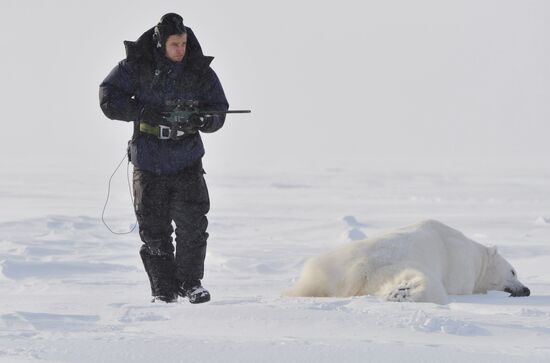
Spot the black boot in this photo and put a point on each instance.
(194, 291)
(160, 268)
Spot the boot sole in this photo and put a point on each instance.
(164, 299)
(200, 300)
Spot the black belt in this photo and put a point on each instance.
(162, 132)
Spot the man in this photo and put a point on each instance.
(166, 66)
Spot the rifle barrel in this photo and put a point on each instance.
(224, 112)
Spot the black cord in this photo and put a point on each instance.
(109, 193)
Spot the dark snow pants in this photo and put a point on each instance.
(182, 198)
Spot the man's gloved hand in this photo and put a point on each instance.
(152, 116)
(200, 122)
(196, 121)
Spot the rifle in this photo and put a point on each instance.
(178, 118)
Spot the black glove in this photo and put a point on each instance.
(196, 121)
(152, 116)
(200, 122)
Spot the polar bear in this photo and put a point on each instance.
(422, 262)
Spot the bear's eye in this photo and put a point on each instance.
(513, 273)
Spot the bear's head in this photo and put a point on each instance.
(501, 276)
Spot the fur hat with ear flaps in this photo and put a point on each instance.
(169, 24)
(142, 50)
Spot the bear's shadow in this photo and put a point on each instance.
(500, 298)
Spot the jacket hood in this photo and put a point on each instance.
(143, 49)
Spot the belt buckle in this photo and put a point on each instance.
(164, 132)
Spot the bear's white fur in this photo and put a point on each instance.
(422, 262)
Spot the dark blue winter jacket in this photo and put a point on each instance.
(147, 78)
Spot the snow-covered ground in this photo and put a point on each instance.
(70, 291)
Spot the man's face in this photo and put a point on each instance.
(175, 47)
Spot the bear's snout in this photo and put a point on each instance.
(524, 291)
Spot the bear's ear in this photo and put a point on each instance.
(493, 251)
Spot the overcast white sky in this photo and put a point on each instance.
(428, 82)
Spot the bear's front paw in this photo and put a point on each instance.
(402, 292)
